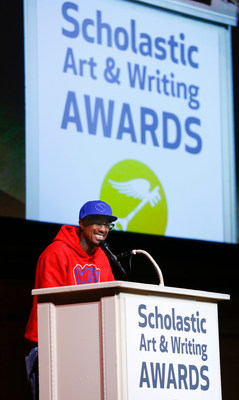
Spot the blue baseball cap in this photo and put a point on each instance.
(96, 207)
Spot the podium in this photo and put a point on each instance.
(126, 341)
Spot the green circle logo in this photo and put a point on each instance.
(137, 198)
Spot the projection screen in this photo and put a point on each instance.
(131, 104)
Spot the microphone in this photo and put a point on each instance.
(106, 248)
(126, 254)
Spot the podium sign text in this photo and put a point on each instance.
(173, 352)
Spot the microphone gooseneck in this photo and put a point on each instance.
(134, 252)
(115, 259)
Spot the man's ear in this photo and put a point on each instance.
(81, 224)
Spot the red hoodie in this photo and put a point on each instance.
(64, 263)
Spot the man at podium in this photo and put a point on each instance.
(73, 258)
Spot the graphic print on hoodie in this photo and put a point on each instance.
(88, 273)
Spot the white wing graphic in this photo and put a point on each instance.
(136, 188)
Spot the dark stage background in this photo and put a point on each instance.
(184, 263)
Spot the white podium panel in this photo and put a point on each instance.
(174, 351)
(121, 340)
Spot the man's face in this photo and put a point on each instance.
(94, 229)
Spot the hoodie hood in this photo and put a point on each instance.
(70, 236)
